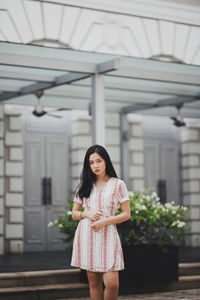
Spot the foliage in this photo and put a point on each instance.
(152, 222)
(65, 223)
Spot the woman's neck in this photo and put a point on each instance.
(102, 178)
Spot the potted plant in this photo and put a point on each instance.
(150, 239)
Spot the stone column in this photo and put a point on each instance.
(14, 210)
(136, 157)
(191, 179)
(113, 140)
(1, 180)
(81, 139)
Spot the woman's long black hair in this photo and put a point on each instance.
(87, 177)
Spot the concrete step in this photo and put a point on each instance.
(186, 269)
(184, 283)
(45, 292)
(76, 290)
(189, 282)
(39, 278)
(64, 284)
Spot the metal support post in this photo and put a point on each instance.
(98, 110)
(124, 137)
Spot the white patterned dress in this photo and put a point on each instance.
(100, 251)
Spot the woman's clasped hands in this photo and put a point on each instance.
(95, 216)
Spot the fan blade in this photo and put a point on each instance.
(55, 116)
(62, 109)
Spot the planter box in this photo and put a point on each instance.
(149, 264)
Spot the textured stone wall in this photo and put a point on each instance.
(191, 179)
(2, 199)
(136, 156)
(81, 140)
(14, 206)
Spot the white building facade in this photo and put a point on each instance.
(32, 149)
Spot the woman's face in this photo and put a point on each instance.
(97, 164)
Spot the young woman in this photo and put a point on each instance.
(97, 247)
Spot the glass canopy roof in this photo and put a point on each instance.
(131, 84)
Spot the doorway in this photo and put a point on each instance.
(46, 187)
(162, 159)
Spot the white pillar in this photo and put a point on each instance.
(98, 110)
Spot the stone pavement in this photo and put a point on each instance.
(172, 295)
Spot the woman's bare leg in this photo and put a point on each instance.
(111, 282)
(95, 281)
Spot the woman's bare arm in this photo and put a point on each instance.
(122, 217)
(78, 215)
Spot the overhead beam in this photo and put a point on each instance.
(31, 89)
(158, 70)
(60, 80)
(178, 100)
(18, 75)
(161, 103)
(46, 63)
(108, 66)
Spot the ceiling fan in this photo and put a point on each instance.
(39, 110)
(178, 120)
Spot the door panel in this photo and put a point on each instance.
(162, 164)
(34, 211)
(57, 169)
(151, 154)
(45, 157)
(35, 229)
(34, 171)
(169, 170)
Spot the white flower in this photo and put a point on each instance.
(180, 224)
(184, 208)
(154, 195)
(174, 223)
(137, 212)
(143, 207)
(138, 206)
(69, 212)
(60, 225)
(50, 224)
(168, 205)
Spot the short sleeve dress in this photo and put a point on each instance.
(100, 251)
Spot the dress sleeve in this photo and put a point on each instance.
(122, 192)
(77, 200)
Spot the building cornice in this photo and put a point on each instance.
(155, 9)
